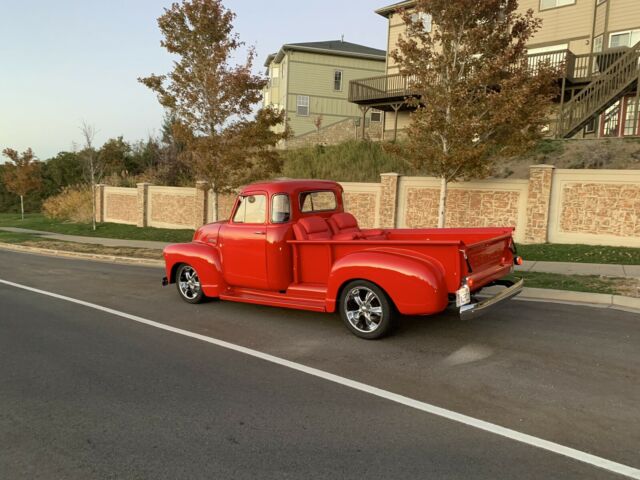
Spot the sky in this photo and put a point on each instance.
(67, 61)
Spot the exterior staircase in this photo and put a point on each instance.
(608, 87)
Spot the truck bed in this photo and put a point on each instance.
(483, 255)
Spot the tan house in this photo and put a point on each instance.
(598, 42)
(310, 81)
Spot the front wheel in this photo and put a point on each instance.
(366, 310)
(188, 284)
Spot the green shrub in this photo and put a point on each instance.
(352, 161)
(72, 204)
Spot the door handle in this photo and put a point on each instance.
(259, 233)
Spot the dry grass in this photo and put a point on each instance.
(72, 204)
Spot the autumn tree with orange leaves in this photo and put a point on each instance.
(479, 98)
(22, 175)
(212, 101)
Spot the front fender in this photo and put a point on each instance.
(416, 285)
(201, 256)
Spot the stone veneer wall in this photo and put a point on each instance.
(559, 206)
(595, 207)
(469, 204)
(119, 205)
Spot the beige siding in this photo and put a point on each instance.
(624, 15)
(600, 20)
(397, 28)
(403, 121)
(561, 24)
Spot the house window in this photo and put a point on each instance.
(337, 80)
(591, 126)
(630, 118)
(624, 39)
(598, 43)
(600, 2)
(376, 116)
(611, 121)
(303, 105)
(425, 18)
(251, 209)
(546, 4)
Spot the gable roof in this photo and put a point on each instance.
(386, 11)
(330, 47)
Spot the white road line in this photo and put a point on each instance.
(578, 455)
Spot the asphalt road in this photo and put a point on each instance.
(85, 394)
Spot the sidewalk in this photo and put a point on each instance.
(106, 242)
(563, 268)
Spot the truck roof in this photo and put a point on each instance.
(292, 185)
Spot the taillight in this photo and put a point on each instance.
(517, 260)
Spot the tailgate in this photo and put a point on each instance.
(489, 259)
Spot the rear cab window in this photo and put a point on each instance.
(251, 208)
(318, 201)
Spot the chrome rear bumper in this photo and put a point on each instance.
(473, 310)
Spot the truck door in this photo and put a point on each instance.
(243, 239)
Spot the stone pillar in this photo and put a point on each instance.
(201, 201)
(143, 203)
(538, 203)
(99, 198)
(388, 200)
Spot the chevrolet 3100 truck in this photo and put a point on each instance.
(290, 244)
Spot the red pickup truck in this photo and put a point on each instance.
(289, 243)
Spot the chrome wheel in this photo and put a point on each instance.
(189, 283)
(363, 309)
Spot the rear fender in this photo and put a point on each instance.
(416, 285)
(204, 258)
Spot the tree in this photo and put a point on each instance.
(23, 175)
(478, 96)
(94, 167)
(211, 101)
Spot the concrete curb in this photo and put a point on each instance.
(145, 262)
(600, 300)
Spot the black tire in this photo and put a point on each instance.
(373, 316)
(188, 284)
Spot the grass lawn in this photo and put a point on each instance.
(582, 283)
(107, 230)
(580, 254)
(37, 241)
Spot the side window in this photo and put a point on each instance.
(280, 208)
(251, 209)
(302, 102)
(317, 201)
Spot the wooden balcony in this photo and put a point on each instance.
(575, 69)
(385, 89)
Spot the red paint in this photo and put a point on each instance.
(264, 263)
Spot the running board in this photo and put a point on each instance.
(275, 300)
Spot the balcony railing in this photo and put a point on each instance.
(575, 68)
(383, 88)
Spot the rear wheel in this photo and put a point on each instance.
(188, 284)
(366, 310)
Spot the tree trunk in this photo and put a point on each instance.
(442, 208)
(93, 206)
(22, 207)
